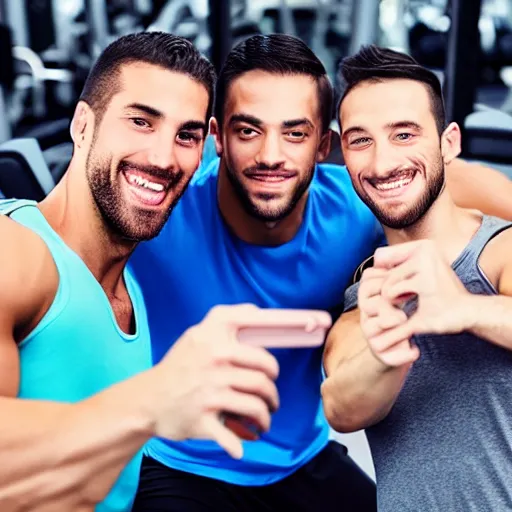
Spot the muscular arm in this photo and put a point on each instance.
(58, 456)
(68, 456)
(28, 283)
(359, 390)
(490, 317)
(478, 187)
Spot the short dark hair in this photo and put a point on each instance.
(375, 64)
(280, 54)
(157, 48)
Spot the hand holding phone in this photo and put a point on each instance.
(278, 328)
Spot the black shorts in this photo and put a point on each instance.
(331, 481)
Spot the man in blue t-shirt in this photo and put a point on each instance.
(266, 224)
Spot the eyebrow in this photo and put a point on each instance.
(246, 118)
(193, 125)
(297, 122)
(390, 126)
(150, 111)
(404, 124)
(352, 129)
(153, 112)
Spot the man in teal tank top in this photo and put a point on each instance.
(73, 325)
(422, 355)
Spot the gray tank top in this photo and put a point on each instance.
(446, 445)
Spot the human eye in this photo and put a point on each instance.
(140, 122)
(189, 138)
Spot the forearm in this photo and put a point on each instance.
(478, 187)
(68, 456)
(360, 391)
(490, 318)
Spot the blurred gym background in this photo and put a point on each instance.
(47, 48)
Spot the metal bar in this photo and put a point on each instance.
(5, 127)
(15, 15)
(365, 24)
(220, 31)
(462, 61)
(97, 19)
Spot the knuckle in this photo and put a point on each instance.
(217, 311)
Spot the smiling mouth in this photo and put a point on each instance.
(148, 189)
(394, 182)
(135, 179)
(270, 176)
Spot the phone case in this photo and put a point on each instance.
(286, 328)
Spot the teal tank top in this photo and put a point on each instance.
(78, 349)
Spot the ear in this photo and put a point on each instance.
(325, 146)
(451, 143)
(215, 133)
(82, 124)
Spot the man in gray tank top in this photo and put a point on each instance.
(422, 356)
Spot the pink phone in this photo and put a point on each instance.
(285, 328)
(278, 328)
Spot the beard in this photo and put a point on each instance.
(269, 207)
(124, 220)
(435, 181)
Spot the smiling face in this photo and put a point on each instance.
(146, 148)
(270, 141)
(393, 150)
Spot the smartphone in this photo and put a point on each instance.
(278, 328)
(285, 328)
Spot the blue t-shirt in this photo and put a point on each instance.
(197, 263)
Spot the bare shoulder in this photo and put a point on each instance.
(28, 275)
(495, 260)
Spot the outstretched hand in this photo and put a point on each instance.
(401, 272)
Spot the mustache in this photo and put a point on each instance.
(267, 168)
(167, 174)
(411, 168)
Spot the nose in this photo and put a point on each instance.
(385, 159)
(162, 153)
(269, 154)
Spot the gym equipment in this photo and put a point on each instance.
(365, 24)
(6, 79)
(23, 171)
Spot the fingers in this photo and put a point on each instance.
(377, 325)
(255, 358)
(373, 273)
(400, 354)
(391, 256)
(214, 430)
(246, 405)
(385, 340)
(402, 272)
(253, 382)
(226, 314)
(377, 306)
(401, 291)
(371, 283)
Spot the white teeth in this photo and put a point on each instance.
(269, 178)
(133, 179)
(393, 184)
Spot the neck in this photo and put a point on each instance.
(74, 216)
(447, 225)
(247, 227)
